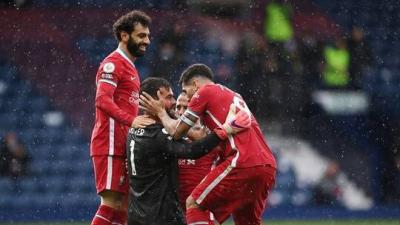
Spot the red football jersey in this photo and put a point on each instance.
(248, 148)
(192, 172)
(117, 104)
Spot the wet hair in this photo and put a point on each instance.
(152, 84)
(196, 70)
(128, 22)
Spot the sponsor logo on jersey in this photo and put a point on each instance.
(187, 162)
(109, 67)
(107, 76)
(134, 99)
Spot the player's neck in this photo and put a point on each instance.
(124, 49)
(205, 82)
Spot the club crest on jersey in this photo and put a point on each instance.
(109, 67)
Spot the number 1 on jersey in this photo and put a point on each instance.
(132, 145)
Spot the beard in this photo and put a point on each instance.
(134, 48)
(171, 113)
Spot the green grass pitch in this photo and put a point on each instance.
(271, 222)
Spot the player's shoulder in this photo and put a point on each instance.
(150, 131)
(113, 64)
(214, 88)
(208, 87)
(113, 58)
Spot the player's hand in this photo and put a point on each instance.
(236, 122)
(142, 121)
(150, 105)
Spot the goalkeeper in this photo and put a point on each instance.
(152, 161)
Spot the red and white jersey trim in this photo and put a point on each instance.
(109, 172)
(213, 184)
(122, 53)
(111, 136)
(109, 82)
(230, 138)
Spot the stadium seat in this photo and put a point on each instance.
(31, 185)
(7, 186)
(46, 200)
(56, 184)
(82, 184)
(71, 199)
(36, 104)
(74, 152)
(38, 167)
(31, 120)
(73, 136)
(8, 121)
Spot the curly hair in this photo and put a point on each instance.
(196, 70)
(128, 22)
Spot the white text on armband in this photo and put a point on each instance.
(187, 121)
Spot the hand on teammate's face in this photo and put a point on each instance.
(150, 105)
(142, 121)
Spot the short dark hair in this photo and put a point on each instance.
(152, 84)
(196, 70)
(128, 22)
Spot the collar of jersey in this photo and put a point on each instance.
(123, 54)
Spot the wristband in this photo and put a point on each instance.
(187, 121)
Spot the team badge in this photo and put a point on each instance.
(109, 67)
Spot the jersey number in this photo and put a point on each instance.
(132, 145)
(239, 103)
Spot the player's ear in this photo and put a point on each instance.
(124, 36)
(195, 82)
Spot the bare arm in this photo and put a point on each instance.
(186, 121)
(168, 123)
(157, 108)
(196, 133)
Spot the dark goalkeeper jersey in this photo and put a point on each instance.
(153, 171)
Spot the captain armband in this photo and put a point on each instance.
(187, 120)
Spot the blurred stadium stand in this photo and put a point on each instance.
(47, 92)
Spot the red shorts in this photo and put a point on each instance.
(241, 192)
(111, 173)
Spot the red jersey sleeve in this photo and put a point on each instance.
(198, 103)
(107, 82)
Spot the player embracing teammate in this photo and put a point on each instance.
(240, 184)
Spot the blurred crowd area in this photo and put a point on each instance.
(325, 72)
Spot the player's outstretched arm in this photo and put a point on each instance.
(186, 121)
(194, 150)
